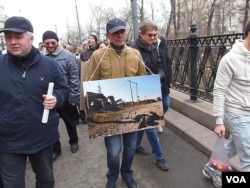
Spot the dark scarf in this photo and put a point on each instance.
(118, 49)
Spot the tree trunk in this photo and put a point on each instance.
(246, 13)
(210, 17)
(171, 18)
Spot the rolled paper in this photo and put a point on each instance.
(46, 111)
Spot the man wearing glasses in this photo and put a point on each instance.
(69, 69)
(156, 62)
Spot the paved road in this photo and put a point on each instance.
(87, 167)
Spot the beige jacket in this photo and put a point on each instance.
(105, 63)
(84, 65)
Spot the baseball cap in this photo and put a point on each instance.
(17, 24)
(114, 25)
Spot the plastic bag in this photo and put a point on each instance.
(219, 159)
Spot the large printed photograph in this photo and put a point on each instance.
(122, 105)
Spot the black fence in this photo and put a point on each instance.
(195, 61)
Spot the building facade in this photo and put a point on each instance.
(3, 17)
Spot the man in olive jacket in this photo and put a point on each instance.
(115, 61)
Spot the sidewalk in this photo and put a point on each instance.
(77, 170)
(87, 167)
(186, 144)
(194, 122)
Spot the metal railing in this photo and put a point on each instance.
(195, 61)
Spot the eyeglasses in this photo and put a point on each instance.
(48, 43)
(152, 35)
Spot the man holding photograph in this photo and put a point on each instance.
(115, 61)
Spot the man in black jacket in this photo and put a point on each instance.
(156, 62)
(25, 75)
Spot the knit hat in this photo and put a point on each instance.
(94, 37)
(17, 24)
(50, 35)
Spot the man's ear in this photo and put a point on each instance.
(140, 34)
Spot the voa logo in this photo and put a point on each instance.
(236, 179)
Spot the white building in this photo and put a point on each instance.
(3, 17)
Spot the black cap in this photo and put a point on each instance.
(50, 35)
(114, 25)
(17, 24)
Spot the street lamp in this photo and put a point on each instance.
(131, 92)
(135, 18)
(136, 92)
(78, 24)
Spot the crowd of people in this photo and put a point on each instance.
(28, 71)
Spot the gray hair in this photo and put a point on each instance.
(147, 25)
(30, 34)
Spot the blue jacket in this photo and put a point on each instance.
(23, 81)
(69, 69)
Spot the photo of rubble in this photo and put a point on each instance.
(122, 105)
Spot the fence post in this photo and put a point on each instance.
(193, 62)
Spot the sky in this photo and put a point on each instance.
(147, 87)
(54, 14)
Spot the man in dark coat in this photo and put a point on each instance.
(25, 75)
(156, 62)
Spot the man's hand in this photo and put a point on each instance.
(49, 102)
(220, 130)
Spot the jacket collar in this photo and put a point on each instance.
(141, 44)
(56, 52)
(25, 60)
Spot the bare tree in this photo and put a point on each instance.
(72, 35)
(171, 18)
(165, 18)
(210, 17)
(141, 10)
(126, 14)
(99, 18)
(246, 12)
(151, 5)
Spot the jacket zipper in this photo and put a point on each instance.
(25, 71)
(24, 74)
